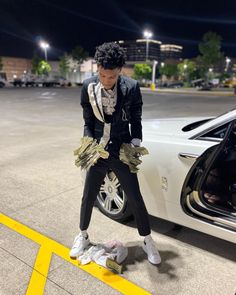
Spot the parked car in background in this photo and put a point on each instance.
(202, 84)
(174, 84)
(30, 80)
(207, 86)
(2, 82)
(228, 83)
(3, 79)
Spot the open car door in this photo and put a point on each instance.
(209, 191)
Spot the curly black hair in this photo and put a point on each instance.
(110, 56)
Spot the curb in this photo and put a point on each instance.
(188, 92)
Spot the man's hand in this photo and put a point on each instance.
(130, 155)
(89, 152)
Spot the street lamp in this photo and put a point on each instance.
(227, 60)
(147, 35)
(185, 74)
(44, 46)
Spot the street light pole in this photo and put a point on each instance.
(228, 60)
(153, 86)
(185, 74)
(147, 35)
(147, 48)
(45, 53)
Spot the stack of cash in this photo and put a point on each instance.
(130, 155)
(89, 152)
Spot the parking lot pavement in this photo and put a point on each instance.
(42, 269)
(41, 189)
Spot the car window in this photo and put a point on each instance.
(217, 133)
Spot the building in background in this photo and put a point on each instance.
(136, 50)
(15, 67)
(171, 52)
(78, 73)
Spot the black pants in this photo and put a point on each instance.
(130, 185)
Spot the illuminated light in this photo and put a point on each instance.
(150, 41)
(171, 46)
(44, 45)
(147, 34)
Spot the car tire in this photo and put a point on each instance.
(112, 201)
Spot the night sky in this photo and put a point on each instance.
(65, 24)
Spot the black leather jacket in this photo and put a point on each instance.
(126, 120)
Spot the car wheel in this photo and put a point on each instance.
(112, 200)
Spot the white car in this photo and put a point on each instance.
(189, 178)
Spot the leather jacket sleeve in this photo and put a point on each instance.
(88, 115)
(136, 113)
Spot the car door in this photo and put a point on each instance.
(192, 200)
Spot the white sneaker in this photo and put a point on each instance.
(80, 243)
(151, 250)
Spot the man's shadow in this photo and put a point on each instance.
(191, 237)
(136, 255)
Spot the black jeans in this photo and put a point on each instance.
(130, 185)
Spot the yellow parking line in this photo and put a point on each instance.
(40, 272)
(113, 280)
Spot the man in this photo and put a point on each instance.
(112, 110)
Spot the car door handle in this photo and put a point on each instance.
(188, 156)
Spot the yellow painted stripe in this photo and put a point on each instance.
(113, 280)
(40, 272)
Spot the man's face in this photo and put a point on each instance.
(108, 78)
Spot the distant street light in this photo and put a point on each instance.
(44, 46)
(210, 70)
(185, 76)
(162, 64)
(227, 60)
(147, 35)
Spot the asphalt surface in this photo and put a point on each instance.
(41, 188)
